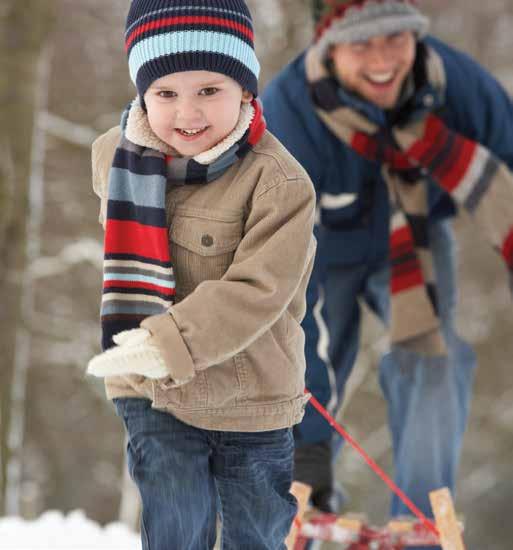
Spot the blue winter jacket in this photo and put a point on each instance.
(351, 193)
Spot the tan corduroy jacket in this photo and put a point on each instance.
(242, 249)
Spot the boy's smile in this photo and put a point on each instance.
(192, 111)
(191, 132)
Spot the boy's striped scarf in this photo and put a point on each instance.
(138, 271)
(409, 154)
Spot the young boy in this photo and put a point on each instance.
(208, 250)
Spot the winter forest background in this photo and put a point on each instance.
(64, 80)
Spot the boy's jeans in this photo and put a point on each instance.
(186, 476)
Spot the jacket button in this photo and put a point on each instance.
(207, 240)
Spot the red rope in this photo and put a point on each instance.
(336, 426)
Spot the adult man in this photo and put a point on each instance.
(394, 128)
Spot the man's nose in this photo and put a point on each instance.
(381, 57)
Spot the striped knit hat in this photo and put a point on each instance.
(169, 36)
(339, 21)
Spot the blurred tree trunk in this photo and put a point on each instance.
(24, 28)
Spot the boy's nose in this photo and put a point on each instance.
(187, 109)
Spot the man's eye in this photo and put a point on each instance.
(209, 91)
(397, 37)
(166, 94)
(359, 46)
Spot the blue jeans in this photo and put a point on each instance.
(187, 476)
(427, 398)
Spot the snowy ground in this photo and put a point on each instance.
(54, 531)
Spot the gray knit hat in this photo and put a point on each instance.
(343, 21)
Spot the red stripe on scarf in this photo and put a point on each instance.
(129, 237)
(258, 124)
(444, 166)
(406, 281)
(398, 160)
(139, 284)
(402, 236)
(367, 146)
(507, 249)
(407, 274)
(364, 145)
(460, 165)
(188, 20)
(428, 146)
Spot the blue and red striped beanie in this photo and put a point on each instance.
(169, 36)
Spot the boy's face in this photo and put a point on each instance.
(376, 68)
(194, 110)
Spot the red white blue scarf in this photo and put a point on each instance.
(409, 153)
(138, 270)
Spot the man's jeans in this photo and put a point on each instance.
(187, 476)
(428, 398)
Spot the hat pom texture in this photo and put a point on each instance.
(345, 21)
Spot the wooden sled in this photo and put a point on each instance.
(353, 532)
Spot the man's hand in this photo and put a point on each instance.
(133, 354)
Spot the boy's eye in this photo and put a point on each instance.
(166, 94)
(209, 91)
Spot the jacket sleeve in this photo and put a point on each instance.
(223, 317)
(478, 105)
(290, 117)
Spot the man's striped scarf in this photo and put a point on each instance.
(138, 271)
(410, 153)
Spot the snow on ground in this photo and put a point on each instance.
(54, 531)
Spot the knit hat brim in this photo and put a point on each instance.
(373, 20)
(150, 71)
(169, 36)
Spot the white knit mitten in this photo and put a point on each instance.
(133, 354)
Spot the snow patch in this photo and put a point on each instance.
(54, 531)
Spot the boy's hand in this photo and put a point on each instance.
(133, 354)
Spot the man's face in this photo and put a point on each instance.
(377, 68)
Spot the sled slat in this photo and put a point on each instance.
(302, 493)
(446, 522)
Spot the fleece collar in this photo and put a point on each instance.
(139, 132)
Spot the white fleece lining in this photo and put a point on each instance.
(247, 112)
(138, 131)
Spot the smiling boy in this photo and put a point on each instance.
(208, 250)
(193, 111)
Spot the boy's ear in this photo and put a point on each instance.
(247, 96)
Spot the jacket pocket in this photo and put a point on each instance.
(219, 386)
(190, 396)
(202, 245)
